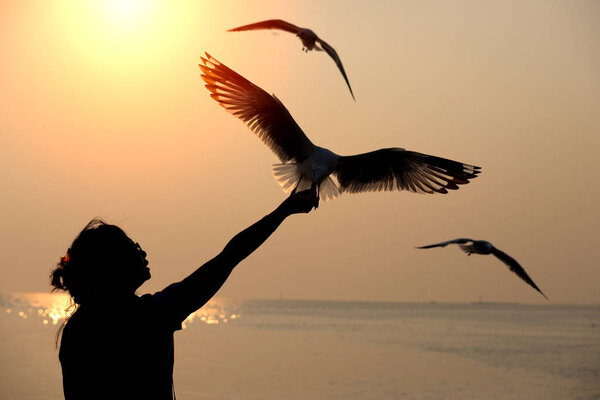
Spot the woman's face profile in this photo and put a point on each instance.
(145, 271)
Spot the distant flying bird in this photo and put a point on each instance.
(471, 246)
(310, 40)
(305, 165)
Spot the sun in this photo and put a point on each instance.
(126, 10)
(125, 23)
(122, 15)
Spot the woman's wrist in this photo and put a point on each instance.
(282, 211)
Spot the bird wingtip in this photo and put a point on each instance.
(205, 70)
(209, 58)
(204, 61)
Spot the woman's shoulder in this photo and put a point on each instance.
(165, 305)
(171, 293)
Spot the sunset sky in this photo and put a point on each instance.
(103, 113)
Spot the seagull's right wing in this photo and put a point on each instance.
(398, 169)
(444, 244)
(515, 267)
(264, 114)
(269, 24)
(333, 54)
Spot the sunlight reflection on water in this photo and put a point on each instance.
(49, 308)
(215, 312)
(53, 308)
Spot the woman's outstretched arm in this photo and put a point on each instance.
(203, 283)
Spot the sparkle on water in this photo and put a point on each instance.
(53, 308)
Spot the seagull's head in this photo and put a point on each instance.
(308, 37)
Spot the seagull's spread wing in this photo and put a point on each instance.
(333, 54)
(264, 114)
(398, 169)
(515, 267)
(269, 24)
(446, 243)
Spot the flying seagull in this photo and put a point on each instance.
(310, 40)
(471, 246)
(305, 165)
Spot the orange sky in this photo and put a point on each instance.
(103, 113)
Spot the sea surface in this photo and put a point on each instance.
(295, 349)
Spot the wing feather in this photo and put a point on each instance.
(269, 24)
(264, 114)
(398, 169)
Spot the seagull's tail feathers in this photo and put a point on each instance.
(467, 248)
(287, 175)
(328, 189)
(289, 178)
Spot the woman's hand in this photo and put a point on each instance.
(300, 202)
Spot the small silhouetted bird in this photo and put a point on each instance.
(471, 246)
(305, 165)
(310, 40)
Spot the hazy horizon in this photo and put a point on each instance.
(220, 297)
(104, 114)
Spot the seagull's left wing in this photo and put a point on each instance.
(269, 24)
(333, 54)
(264, 114)
(515, 267)
(398, 169)
(446, 243)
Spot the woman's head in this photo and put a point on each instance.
(102, 260)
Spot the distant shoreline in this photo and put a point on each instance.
(307, 301)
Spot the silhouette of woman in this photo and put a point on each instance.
(128, 354)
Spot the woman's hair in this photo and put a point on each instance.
(100, 261)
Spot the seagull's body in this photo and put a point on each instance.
(317, 166)
(314, 170)
(306, 165)
(471, 246)
(309, 39)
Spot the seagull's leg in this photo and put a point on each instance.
(314, 186)
(297, 184)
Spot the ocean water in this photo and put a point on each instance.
(292, 349)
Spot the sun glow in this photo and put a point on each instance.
(109, 26)
(125, 9)
(114, 43)
(126, 15)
